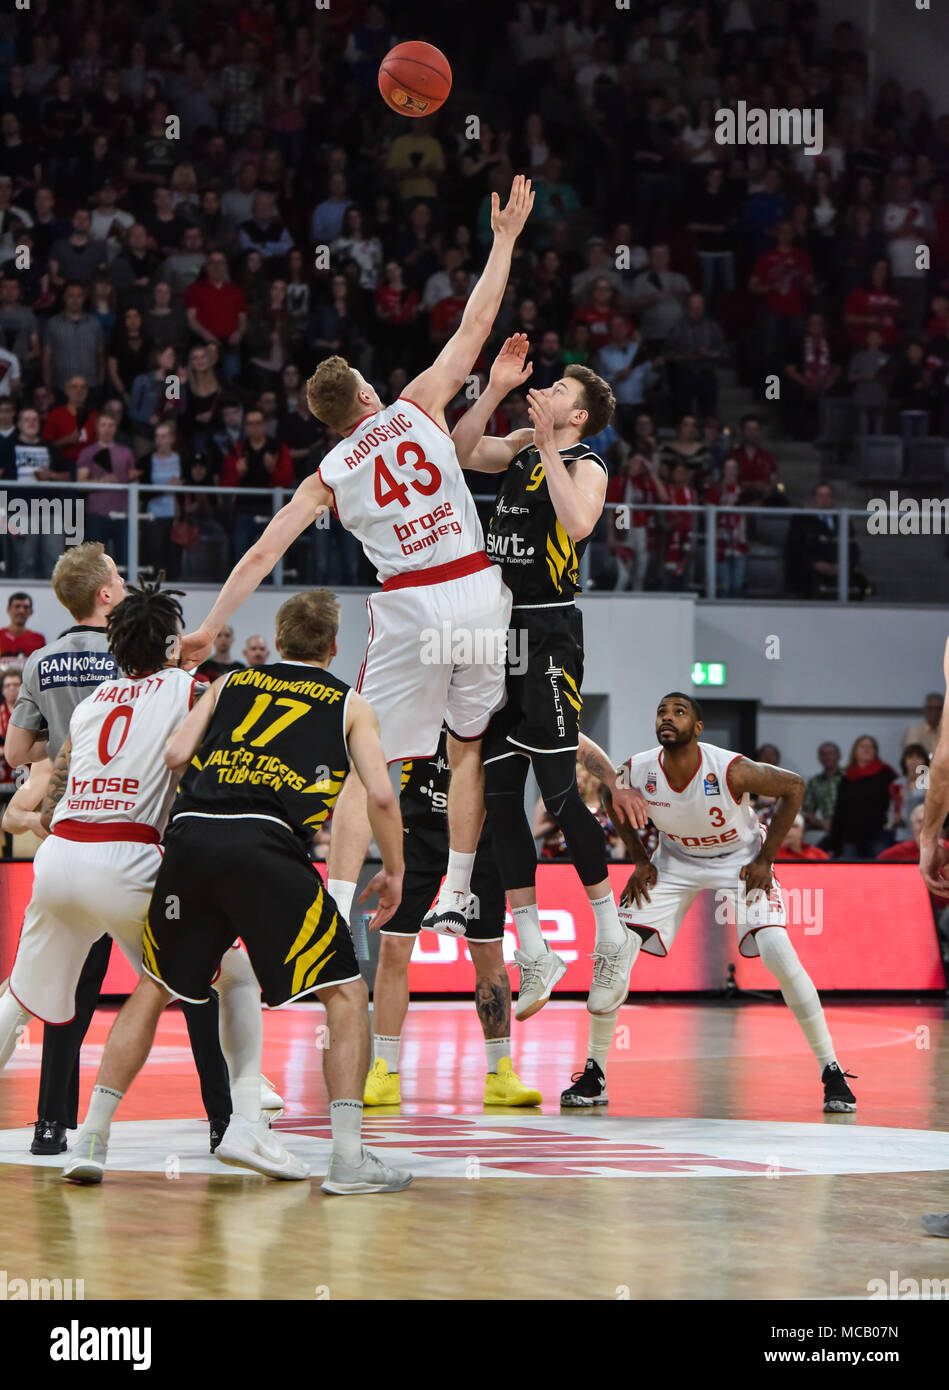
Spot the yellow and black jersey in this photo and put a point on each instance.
(539, 561)
(275, 746)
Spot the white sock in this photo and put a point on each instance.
(242, 1032)
(602, 1032)
(609, 929)
(458, 874)
(527, 925)
(779, 956)
(387, 1049)
(496, 1048)
(346, 1124)
(13, 1019)
(342, 892)
(103, 1104)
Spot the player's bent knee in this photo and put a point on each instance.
(353, 994)
(487, 957)
(396, 951)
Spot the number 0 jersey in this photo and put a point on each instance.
(398, 487)
(539, 561)
(117, 770)
(275, 747)
(701, 820)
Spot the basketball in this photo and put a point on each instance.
(414, 78)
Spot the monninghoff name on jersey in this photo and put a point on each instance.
(376, 436)
(427, 528)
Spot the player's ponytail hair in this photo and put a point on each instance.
(331, 392)
(597, 399)
(143, 629)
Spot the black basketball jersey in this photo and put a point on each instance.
(423, 800)
(539, 561)
(275, 746)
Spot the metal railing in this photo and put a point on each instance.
(135, 493)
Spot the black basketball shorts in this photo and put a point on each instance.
(426, 859)
(544, 678)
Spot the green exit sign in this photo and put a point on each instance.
(709, 673)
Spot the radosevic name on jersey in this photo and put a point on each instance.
(75, 668)
(398, 487)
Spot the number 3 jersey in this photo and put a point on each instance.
(117, 771)
(701, 820)
(275, 747)
(398, 487)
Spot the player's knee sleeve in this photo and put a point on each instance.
(557, 778)
(511, 838)
(779, 956)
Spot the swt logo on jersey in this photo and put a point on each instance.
(711, 785)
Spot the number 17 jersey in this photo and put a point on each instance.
(398, 488)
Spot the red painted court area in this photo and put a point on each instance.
(677, 1059)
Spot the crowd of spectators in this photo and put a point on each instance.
(210, 193)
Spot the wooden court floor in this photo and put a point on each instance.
(714, 1174)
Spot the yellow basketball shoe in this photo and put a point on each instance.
(505, 1087)
(382, 1086)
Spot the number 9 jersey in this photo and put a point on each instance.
(398, 487)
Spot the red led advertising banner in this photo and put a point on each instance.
(855, 927)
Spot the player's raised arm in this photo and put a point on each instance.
(744, 775)
(933, 855)
(186, 740)
(22, 813)
(578, 496)
(310, 500)
(365, 749)
(435, 387)
(486, 453)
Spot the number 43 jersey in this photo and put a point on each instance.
(398, 487)
(275, 747)
(701, 820)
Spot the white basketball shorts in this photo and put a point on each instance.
(80, 890)
(436, 655)
(679, 884)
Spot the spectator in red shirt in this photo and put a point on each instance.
(811, 376)
(596, 314)
(757, 469)
(632, 532)
(785, 279)
(10, 682)
(446, 315)
(217, 312)
(72, 426)
(680, 527)
(874, 305)
(907, 851)
(256, 461)
(16, 641)
(795, 849)
(397, 309)
(731, 546)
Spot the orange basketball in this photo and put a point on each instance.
(414, 78)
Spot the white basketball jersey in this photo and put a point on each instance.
(701, 820)
(116, 768)
(398, 487)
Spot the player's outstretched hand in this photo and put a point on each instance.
(195, 647)
(508, 371)
(638, 884)
(509, 221)
(542, 418)
(756, 876)
(932, 860)
(388, 888)
(631, 806)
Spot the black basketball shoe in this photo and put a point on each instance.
(589, 1087)
(49, 1137)
(218, 1128)
(837, 1094)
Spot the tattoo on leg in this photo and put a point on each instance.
(493, 1002)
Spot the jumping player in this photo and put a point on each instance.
(550, 498)
(424, 805)
(269, 749)
(394, 482)
(105, 807)
(709, 837)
